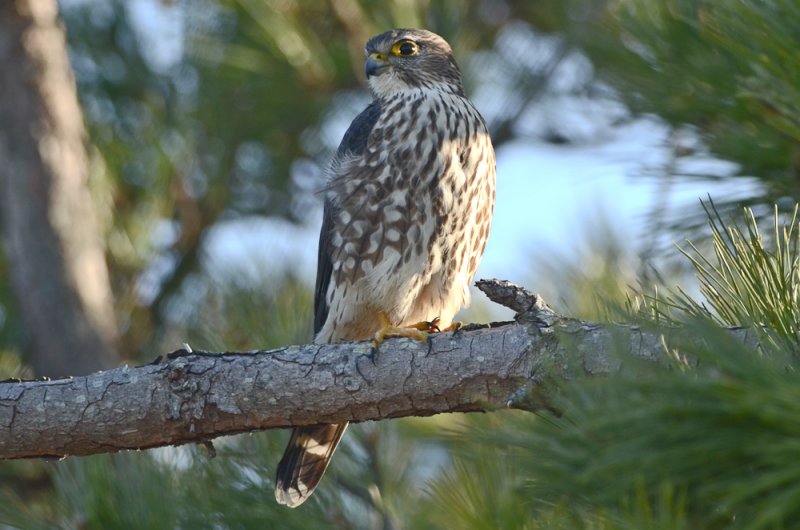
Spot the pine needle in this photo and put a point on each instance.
(744, 282)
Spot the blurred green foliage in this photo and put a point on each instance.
(727, 69)
(239, 125)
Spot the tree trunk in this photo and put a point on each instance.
(57, 262)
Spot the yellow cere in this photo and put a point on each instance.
(405, 48)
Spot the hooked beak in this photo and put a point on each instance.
(376, 64)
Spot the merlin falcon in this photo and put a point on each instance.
(408, 206)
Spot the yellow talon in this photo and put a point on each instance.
(419, 331)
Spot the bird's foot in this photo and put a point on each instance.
(432, 326)
(455, 327)
(420, 331)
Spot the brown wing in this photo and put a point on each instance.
(353, 144)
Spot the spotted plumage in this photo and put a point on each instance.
(408, 208)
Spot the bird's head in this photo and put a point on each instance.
(407, 59)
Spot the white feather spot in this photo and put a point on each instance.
(393, 235)
(390, 255)
(398, 198)
(359, 227)
(375, 241)
(392, 215)
(314, 448)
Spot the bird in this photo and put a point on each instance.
(408, 206)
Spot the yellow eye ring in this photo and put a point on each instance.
(405, 48)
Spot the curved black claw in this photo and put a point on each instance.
(431, 326)
(373, 351)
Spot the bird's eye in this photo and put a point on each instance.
(405, 48)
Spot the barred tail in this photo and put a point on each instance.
(304, 462)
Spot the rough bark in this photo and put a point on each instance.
(58, 269)
(193, 397)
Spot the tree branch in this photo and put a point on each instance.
(193, 397)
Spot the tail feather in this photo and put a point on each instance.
(304, 462)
